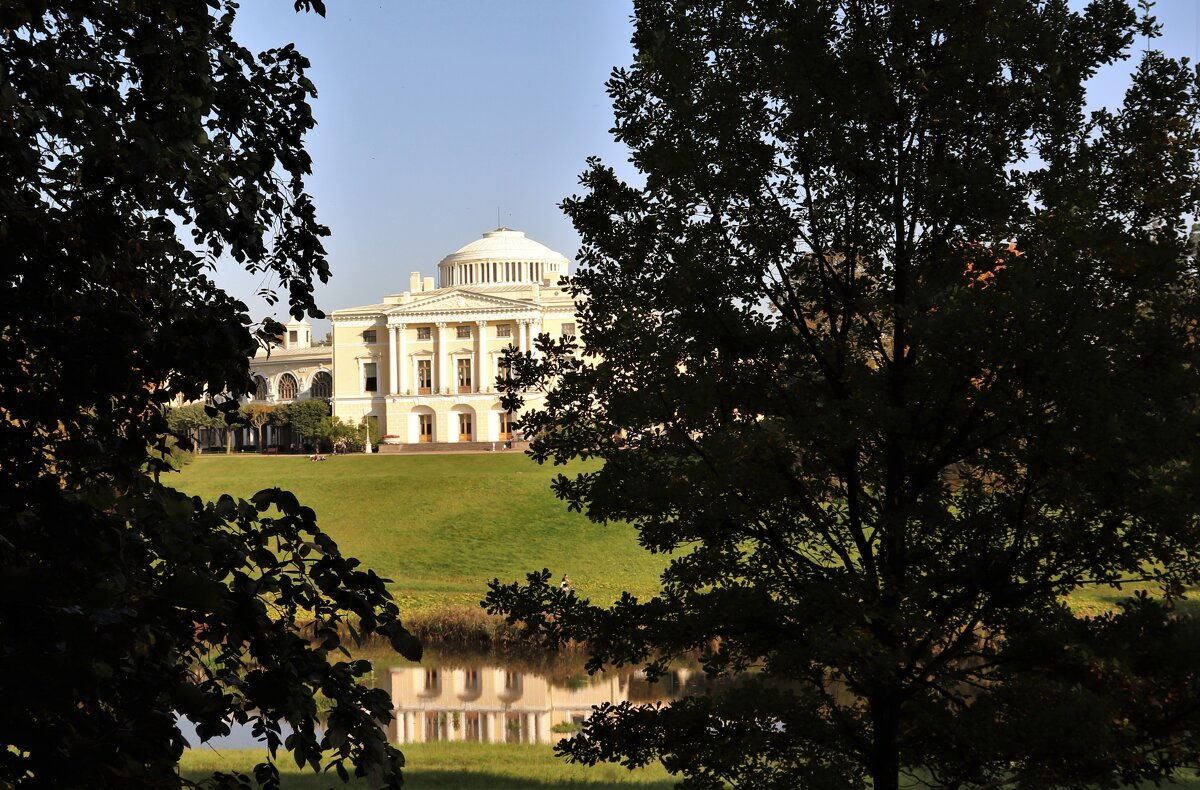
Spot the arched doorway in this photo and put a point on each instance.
(421, 425)
(462, 423)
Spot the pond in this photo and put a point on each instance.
(456, 695)
(497, 703)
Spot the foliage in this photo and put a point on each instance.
(140, 144)
(186, 420)
(894, 349)
(257, 415)
(306, 416)
(343, 437)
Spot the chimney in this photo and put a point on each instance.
(414, 282)
(428, 285)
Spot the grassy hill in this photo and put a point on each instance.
(441, 526)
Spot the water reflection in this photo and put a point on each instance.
(496, 704)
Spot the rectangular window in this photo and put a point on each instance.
(504, 330)
(463, 332)
(424, 376)
(463, 367)
(471, 679)
(568, 330)
(369, 336)
(370, 379)
(432, 680)
(291, 335)
(424, 332)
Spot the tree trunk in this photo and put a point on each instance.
(885, 755)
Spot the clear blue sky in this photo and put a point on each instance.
(433, 115)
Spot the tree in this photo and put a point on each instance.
(186, 421)
(305, 417)
(257, 415)
(894, 350)
(341, 436)
(139, 144)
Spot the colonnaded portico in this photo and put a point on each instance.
(423, 363)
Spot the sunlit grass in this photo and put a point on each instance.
(441, 526)
(432, 766)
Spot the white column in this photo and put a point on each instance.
(482, 384)
(496, 725)
(524, 335)
(402, 358)
(392, 362)
(443, 360)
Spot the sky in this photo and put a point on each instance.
(438, 121)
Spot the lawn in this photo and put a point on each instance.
(442, 526)
(462, 766)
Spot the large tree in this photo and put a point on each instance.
(893, 351)
(139, 144)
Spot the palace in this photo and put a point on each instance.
(422, 364)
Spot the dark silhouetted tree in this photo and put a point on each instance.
(139, 143)
(894, 350)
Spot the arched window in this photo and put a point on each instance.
(322, 385)
(287, 387)
(260, 388)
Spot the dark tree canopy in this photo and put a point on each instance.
(139, 143)
(895, 349)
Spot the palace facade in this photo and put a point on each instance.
(422, 364)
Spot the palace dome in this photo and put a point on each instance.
(502, 256)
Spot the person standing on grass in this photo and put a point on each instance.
(565, 584)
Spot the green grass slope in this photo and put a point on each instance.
(441, 526)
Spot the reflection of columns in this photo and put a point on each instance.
(496, 727)
(443, 360)
(392, 363)
(543, 727)
(402, 361)
(481, 361)
(530, 728)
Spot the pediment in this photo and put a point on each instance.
(456, 300)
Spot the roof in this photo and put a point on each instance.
(504, 244)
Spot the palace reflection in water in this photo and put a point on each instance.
(495, 705)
